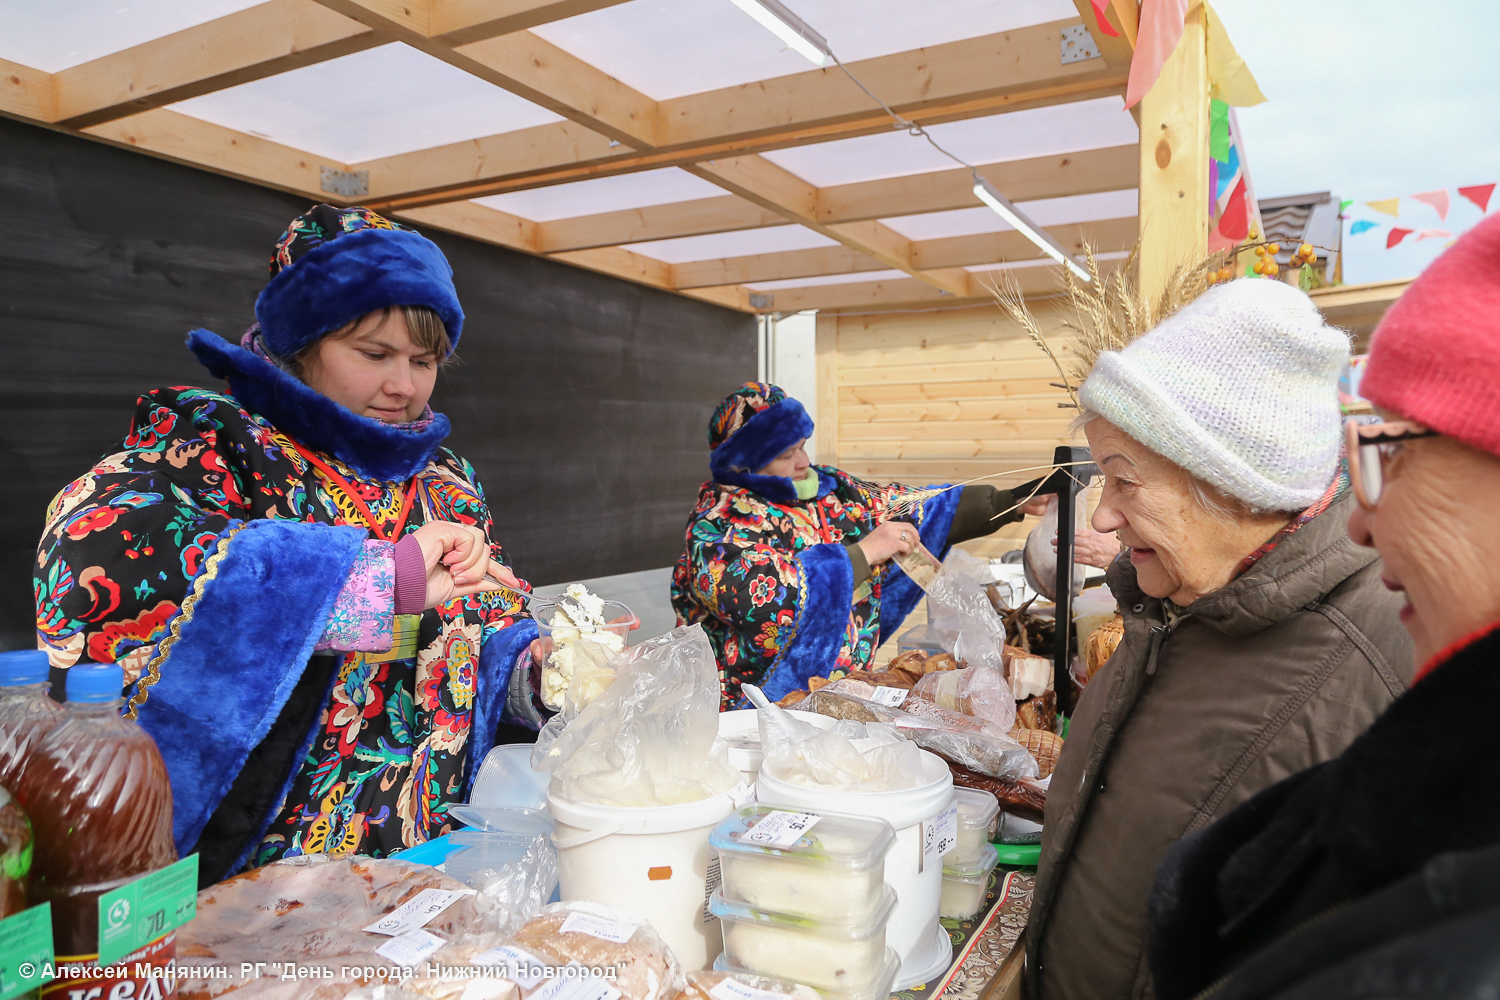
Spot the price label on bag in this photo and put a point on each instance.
(521, 967)
(599, 927)
(25, 950)
(889, 697)
(410, 947)
(733, 989)
(779, 829)
(417, 911)
(139, 912)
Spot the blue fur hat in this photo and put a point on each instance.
(334, 265)
(753, 425)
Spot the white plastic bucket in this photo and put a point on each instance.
(653, 860)
(740, 728)
(916, 877)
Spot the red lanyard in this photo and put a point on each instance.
(327, 471)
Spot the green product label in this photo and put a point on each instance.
(25, 950)
(136, 914)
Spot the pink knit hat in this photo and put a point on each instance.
(1435, 357)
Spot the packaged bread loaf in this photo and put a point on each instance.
(597, 936)
(314, 913)
(710, 986)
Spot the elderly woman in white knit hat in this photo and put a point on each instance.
(1258, 638)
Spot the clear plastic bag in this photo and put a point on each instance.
(589, 934)
(517, 886)
(961, 739)
(852, 756)
(651, 737)
(1039, 558)
(982, 692)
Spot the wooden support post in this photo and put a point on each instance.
(1174, 160)
(827, 431)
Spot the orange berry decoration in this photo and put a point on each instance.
(1274, 248)
(1272, 267)
(1307, 251)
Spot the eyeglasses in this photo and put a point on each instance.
(1371, 446)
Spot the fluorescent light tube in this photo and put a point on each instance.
(788, 27)
(986, 192)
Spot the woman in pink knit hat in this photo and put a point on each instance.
(1377, 874)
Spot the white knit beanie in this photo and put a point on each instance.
(1239, 387)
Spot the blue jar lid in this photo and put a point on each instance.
(21, 667)
(95, 683)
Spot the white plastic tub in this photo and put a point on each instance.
(653, 860)
(911, 869)
(740, 729)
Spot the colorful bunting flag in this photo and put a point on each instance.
(1479, 194)
(1395, 236)
(1229, 79)
(1160, 30)
(1390, 206)
(1434, 234)
(1362, 225)
(1104, 24)
(1344, 205)
(1437, 199)
(1230, 204)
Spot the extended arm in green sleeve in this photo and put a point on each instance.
(977, 510)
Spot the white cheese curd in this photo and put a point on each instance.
(818, 961)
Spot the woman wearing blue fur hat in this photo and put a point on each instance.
(298, 578)
(788, 564)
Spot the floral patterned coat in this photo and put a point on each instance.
(772, 584)
(211, 559)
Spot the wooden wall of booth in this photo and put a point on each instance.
(942, 396)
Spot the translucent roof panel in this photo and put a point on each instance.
(776, 239)
(832, 279)
(52, 35)
(1044, 212)
(1017, 135)
(669, 48)
(604, 194)
(380, 102)
(1012, 265)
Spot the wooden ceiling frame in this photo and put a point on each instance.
(613, 129)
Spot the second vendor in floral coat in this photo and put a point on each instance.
(790, 566)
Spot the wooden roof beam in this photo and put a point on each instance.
(524, 64)
(248, 45)
(763, 183)
(459, 22)
(1116, 49)
(26, 92)
(1091, 171)
(938, 254)
(960, 80)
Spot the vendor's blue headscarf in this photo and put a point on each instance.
(753, 425)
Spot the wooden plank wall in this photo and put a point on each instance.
(944, 396)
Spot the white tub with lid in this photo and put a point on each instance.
(740, 729)
(913, 866)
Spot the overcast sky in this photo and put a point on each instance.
(1373, 99)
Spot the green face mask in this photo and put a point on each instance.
(807, 486)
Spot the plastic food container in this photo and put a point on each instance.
(919, 637)
(883, 983)
(740, 729)
(543, 610)
(965, 885)
(822, 955)
(977, 811)
(834, 873)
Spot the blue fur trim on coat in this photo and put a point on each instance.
(230, 673)
(898, 592)
(822, 620)
(756, 444)
(373, 448)
(497, 663)
(348, 277)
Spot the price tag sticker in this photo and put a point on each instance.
(139, 912)
(947, 830)
(581, 987)
(889, 697)
(411, 947)
(599, 927)
(521, 967)
(417, 911)
(733, 989)
(25, 950)
(779, 829)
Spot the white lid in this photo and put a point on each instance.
(975, 871)
(976, 808)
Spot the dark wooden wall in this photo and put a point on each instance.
(581, 399)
